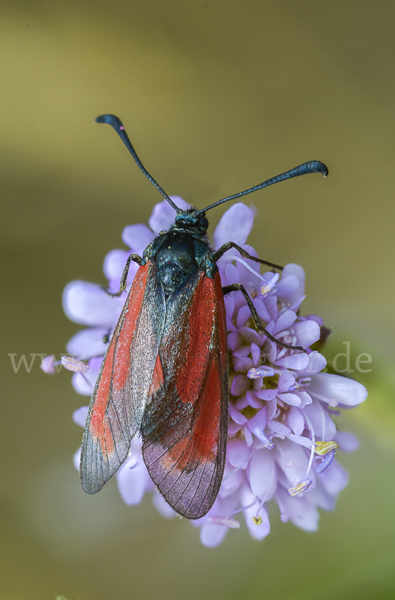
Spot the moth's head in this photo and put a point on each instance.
(191, 219)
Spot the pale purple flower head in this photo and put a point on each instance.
(281, 438)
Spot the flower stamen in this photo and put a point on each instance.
(225, 521)
(311, 428)
(247, 266)
(73, 364)
(326, 462)
(231, 473)
(262, 438)
(300, 487)
(265, 289)
(322, 448)
(239, 510)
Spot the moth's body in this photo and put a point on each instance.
(178, 252)
(164, 376)
(176, 398)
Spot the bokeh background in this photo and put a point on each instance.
(216, 96)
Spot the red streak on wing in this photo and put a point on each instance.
(205, 430)
(207, 325)
(116, 365)
(127, 327)
(197, 340)
(207, 422)
(96, 426)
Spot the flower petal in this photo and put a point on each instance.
(233, 478)
(305, 398)
(291, 399)
(87, 343)
(240, 385)
(257, 531)
(229, 305)
(250, 335)
(294, 361)
(337, 389)
(252, 400)
(243, 315)
(88, 304)
(335, 479)
(77, 459)
(267, 395)
(238, 453)
(287, 289)
(137, 237)
(262, 311)
(347, 441)
(248, 271)
(284, 321)
(307, 332)
(278, 428)
(235, 225)
(48, 364)
(84, 383)
(133, 480)
(317, 362)
(237, 416)
(322, 498)
(271, 305)
(293, 460)
(162, 507)
(234, 340)
(300, 512)
(262, 473)
(114, 264)
(258, 420)
(291, 285)
(80, 415)
(300, 440)
(324, 427)
(286, 382)
(163, 215)
(212, 535)
(255, 353)
(295, 420)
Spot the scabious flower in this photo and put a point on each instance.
(281, 439)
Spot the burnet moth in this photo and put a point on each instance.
(165, 376)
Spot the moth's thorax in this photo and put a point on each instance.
(177, 254)
(175, 260)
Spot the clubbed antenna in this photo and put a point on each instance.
(313, 166)
(120, 129)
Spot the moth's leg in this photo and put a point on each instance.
(238, 287)
(136, 258)
(106, 338)
(221, 251)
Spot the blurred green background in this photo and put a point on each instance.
(216, 96)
